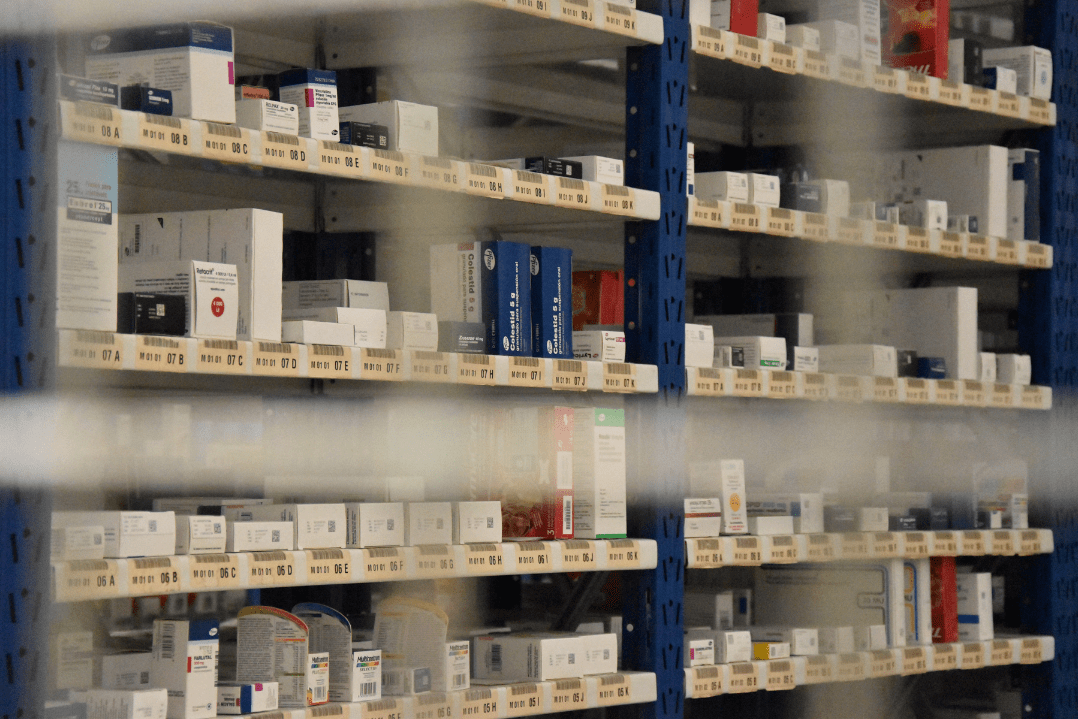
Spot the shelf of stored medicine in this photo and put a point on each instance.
(104, 125)
(853, 232)
(816, 386)
(782, 674)
(753, 550)
(95, 579)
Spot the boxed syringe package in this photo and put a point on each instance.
(184, 661)
(552, 302)
(314, 92)
(272, 646)
(599, 473)
(194, 61)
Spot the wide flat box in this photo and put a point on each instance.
(730, 186)
(605, 170)
(210, 289)
(246, 698)
(268, 115)
(126, 703)
(369, 325)
(250, 536)
(1033, 65)
(599, 345)
(703, 517)
(126, 670)
(313, 332)
(75, 542)
(307, 294)
(412, 127)
(867, 360)
(315, 526)
(128, 534)
(805, 508)
(757, 352)
(511, 658)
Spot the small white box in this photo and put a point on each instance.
(200, 535)
(375, 524)
(246, 698)
(512, 658)
(771, 27)
(803, 641)
(975, 621)
(712, 609)
(1013, 369)
(987, 364)
(412, 127)
(838, 38)
(703, 517)
(1033, 65)
(87, 542)
(606, 170)
(863, 15)
(318, 333)
(260, 536)
(184, 662)
(1017, 512)
(769, 525)
(128, 670)
(412, 331)
(700, 12)
(929, 214)
(699, 345)
(317, 678)
(600, 345)
(728, 186)
(306, 294)
(770, 650)
(456, 673)
(369, 324)
(211, 289)
(428, 523)
(599, 653)
(868, 360)
(128, 534)
(763, 189)
(872, 519)
(869, 638)
(733, 646)
(366, 675)
(1003, 79)
(805, 508)
(803, 36)
(834, 197)
(126, 703)
(315, 526)
(806, 359)
(699, 650)
(757, 352)
(836, 640)
(268, 115)
(734, 519)
(314, 93)
(477, 522)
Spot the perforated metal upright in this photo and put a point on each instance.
(656, 133)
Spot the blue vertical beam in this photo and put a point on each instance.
(655, 151)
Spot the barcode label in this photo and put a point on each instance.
(782, 50)
(337, 147)
(279, 347)
(87, 565)
(389, 155)
(168, 640)
(570, 184)
(617, 189)
(459, 680)
(748, 42)
(160, 342)
(323, 554)
(517, 690)
(577, 544)
(525, 361)
(327, 710)
(211, 559)
(496, 658)
(163, 120)
(707, 672)
(569, 365)
(97, 112)
(618, 368)
(153, 563)
(221, 344)
(282, 139)
(382, 705)
(477, 694)
(533, 177)
(432, 549)
(376, 552)
(475, 359)
(95, 338)
(277, 556)
(742, 668)
(382, 354)
(331, 350)
(582, 3)
(216, 128)
(484, 170)
(567, 684)
(744, 209)
(567, 515)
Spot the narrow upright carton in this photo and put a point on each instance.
(314, 92)
(551, 302)
(184, 661)
(456, 288)
(975, 619)
(330, 632)
(734, 517)
(506, 278)
(599, 473)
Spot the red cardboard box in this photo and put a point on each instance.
(598, 298)
(742, 15)
(944, 600)
(917, 35)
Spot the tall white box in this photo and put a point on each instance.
(330, 635)
(314, 93)
(185, 663)
(366, 675)
(865, 16)
(699, 345)
(836, 640)
(375, 524)
(272, 645)
(835, 197)
(456, 671)
(733, 646)
(211, 289)
(128, 534)
(734, 518)
(412, 127)
(315, 526)
(917, 592)
(428, 523)
(1013, 369)
(1033, 65)
(975, 621)
(803, 36)
(771, 27)
(599, 473)
(456, 288)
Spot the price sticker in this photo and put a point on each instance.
(1031, 651)
(709, 41)
(885, 389)
(914, 661)
(943, 544)
(1035, 397)
(711, 213)
(148, 576)
(1000, 653)
(782, 59)
(1037, 256)
(917, 87)
(745, 217)
(215, 572)
(885, 79)
(534, 557)
(780, 222)
(783, 549)
(848, 388)
(86, 579)
(382, 709)
(815, 385)
(747, 51)
(885, 544)
(818, 669)
(781, 385)
(328, 566)
(977, 247)
(1001, 543)
(780, 675)
(440, 173)
(980, 99)
(277, 359)
(821, 548)
(531, 187)
(951, 93)
(853, 545)
(571, 193)
(945, 657)
(972, 656)
(285, 151)
(707, 382)
(329, 361)
(222, 357)
(1029, 542)
(526, 372)
(389, 166)
(87, 348)
(538, 8)
(523, 700)
(479, 701)
(380, 364)
(484, 559)
(165, 134)
(916, 545)
(578, 12)
(882, 663)
(706, 681)
(816, 226)
(974, 393)
(383, 564)
(1006, 252)
(622, 554)
(569, 694)
(429, 366)
(817, 65)
(744, 677)
(851, 72)
(1001, 396)
(227, 143)
(270, 569)
(918, 240)
(917, 391)
(617, 200)
(1007, 105)
(854, 232)
(952, 244)
(578, 555)
(569, 375)
(619, 377)
(744, 551)
(336, 158)
(851, 668)
(614, 689)
(947, 392)
(1040, 112)
(973, 543)
(704, 553)
(434, 560)
(884, 234)
(748, 383)
(91, 122)
(476, 369)
(161, 354)
(484, 180)
(619, 19)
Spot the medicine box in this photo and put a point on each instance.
(184, 662)
(246, 536)
(699, 345)
(771, 27)
(368, 325)
(1032, 64)
(77, 542)
(315, 526)
(552, 302)
(126, 670)
(505, 273)
(703, 517)
(128, 534)
(975, 620)
(428, 523)
(268, 115)
(456, 670)
(763, 189)
(126, 703)
(1013, 369)
(412, 127)
(318, 333)
(803, 36)
(605, 170)
(512, 658)
(599, 345)
(314, 93)
(412, 331)
(758, 352)
(246, 698)
(771, 524)
(729, 186)
(868, 360)
(366, 674)
(803, 641)
(599, 461)
(210, 289)
(375, 524)
(307, 294)
(200, 535)
(699, 647)
(477, 522)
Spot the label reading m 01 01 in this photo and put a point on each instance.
(614, 689)
(884, 79)
(484, 559)
(619, 377)
(780, 222)
(161, 354)
(91, 122)
(748, 383)
(429, 366)
(569, 375)
(744, 677)
(440, 173)
(710, 213)
(383, 564)
(951, 93)
(539, 8)
(277, 359)
(389, 166)
(780, 675)
(484, 180)
(704, 553)
(747, 51)
(568, 694)
(153, 575)
(917, 87)
(817, 65)
(530, 187)
(271, 568)
(918, 240)
(709, 41)
(885, 234)
(818, 669)
(707, 382)
(706, 681)
(571, 193)
(782, 58)
(815, 385)
(972, 656)
(329, 361)
(328, 566)
(166, 134)
(222, 357)
(475, 369)
(434, 560)
(578, 12)
(83, 579)
(944, 657)
(821, 547)
(615, 199)
(851, 72)
(226, 142)
(523, 700)
(913, 661)
(781, 384)
(88, 348)
(336, 158)
(745, 217)
(215, 572)
(534, 557)
(917, 390)
(619, 19)
(622, 554)
(852, 231)
(380, 364)
(578, 555)
(816, 227)
(285, 151)
(526, 372)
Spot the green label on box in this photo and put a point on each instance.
(609, 417)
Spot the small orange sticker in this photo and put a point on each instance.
(735, 502)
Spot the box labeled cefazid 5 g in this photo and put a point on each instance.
(552, 302)
(314, 92)
(506, 277)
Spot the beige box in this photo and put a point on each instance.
(126, 703)
(128, 534)
(412, 331)
(428, 523)
(477, 522)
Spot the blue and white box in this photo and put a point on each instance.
(552, 302)
(506, 280)
(184, 662)
(975, 620)
(1024, 195)
(917, 601)
(314, 92)
(194, 61)
(246, 698)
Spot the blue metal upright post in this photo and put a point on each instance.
(656, 135)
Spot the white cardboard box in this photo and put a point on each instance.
(512, 658)
(699, 647)
(599, 473)
(184, 662)
(733, 646)
(126, 703)
(758, 352)
(986, 364)
(128, 534)
(869, 360)
(308, 294)
(710, 609)
(456, 673)
(734, 518)
(699, 345)
(767, 525)
(600, 345)
(1033, 65)
(1003, 79)
(200, 535)
(315, 526)
(836, 640)
(975, 620)
(246, 698)
(703, 517)
(369, 324)
(606, 170)
(456, 288)
(375, 524)
(477, 522)
(918, 600)
(872, 519)
(865, 16)
(260, 536)
(763, 189)
(837, 38)
(318, 333)
(86, 542)
(803, 641)
(317, 678)
(729, 186)
(806, 359)
(803, 36)
(127, 670)
(72, 660)
(834, 197)
(211, 290)
(268, 115)
(870, 637)
(412, 331)
(428, 523)
(366, 675)
(412, 127)
(806, 508)
(771, 27)
(599, 653)
(929, 214)
(314, 92)
(1013, 369)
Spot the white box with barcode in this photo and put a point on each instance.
(599, 653)
(86, 542)
(366, 675)
(375, 524)
(317, 678)
(314, 92)
(428, 523)
(200, 535)
(412, 331)
(259, 536)
(412, 127)
(456, 669)
(246, 697)
(477, 522)
(184, 662)
(314, 526)
(268, 116)
(699, 345)
(606, 170)
(703, 517)
(128, 534)
(211, 289)
(126, 703)
(126, 670)
(525, 657)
